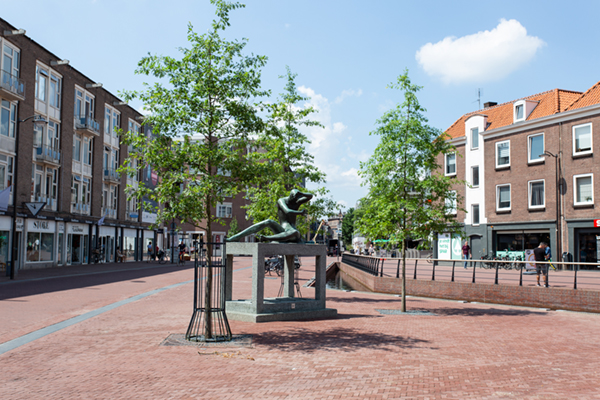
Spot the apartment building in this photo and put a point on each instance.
(529, 167)
(59, 148)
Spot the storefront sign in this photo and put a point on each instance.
(61, 227)
(530, 257)
(444, 242)
(20, 224)
(597, 223)
(77, 229)
(148, 217)
(37, 225)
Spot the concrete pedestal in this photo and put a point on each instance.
(259, 309)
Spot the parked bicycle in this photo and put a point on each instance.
(98, 255)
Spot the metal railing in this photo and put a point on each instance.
(12, 84)
(513, 272)
(47, 153)
(111, 175)
(87, 123)
(80, 208)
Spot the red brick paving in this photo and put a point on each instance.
(466, 351)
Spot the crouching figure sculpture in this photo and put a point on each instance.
(285, 231)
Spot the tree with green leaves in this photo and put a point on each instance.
(408, 197)
(233, 227)
(202, 110)
(348, 227)
(285, 164)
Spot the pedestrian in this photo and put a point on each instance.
(150, 257)
(466, 249)
(541, 268)
(371, 250)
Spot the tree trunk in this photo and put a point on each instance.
(403, 309)
(208, 284)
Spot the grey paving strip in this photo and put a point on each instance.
(81, 274)
(40, 333)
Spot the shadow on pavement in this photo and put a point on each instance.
(16, 289)
(478, 312)
(334, 339)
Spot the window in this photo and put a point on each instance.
(74, 189)
(475, 176)
(536, 194)
(535, 146)
(519, 112)
(451, 202)
(11, 58)
(6, 171)
(584, 189)
(76, 147)
(53, 135)
(582, 139)
(503, 198)
(41, 83)
(84, 104)
(88, 149)
(112, 121)
(503, 154)
(474, 138)
(40, 246)
(224, 210)
(55, 89)
(451, 164)
(475, 214)
(8, 118)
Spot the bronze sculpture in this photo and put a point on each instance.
(285, 231)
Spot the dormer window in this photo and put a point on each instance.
(519, 112)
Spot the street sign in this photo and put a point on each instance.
(35, 208)
(597, 223)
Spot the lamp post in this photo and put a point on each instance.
(15, 246)
(558, 191)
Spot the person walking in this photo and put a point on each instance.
(541, 268)
(466, 249)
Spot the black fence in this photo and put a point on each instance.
(567, 274)
(209, 321)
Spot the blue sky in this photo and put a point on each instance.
(345, 53)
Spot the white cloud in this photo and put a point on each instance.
(483, 56)
(330, 148)
(142, 110)
(348, 93)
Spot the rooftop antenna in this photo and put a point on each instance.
(478, 98)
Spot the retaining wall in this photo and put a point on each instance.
(531, 296)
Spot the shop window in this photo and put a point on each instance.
(537, 198)
(503, 154)
(582, 139)
(40, 247)
(583, 189)
(450, 164)
(503, 198)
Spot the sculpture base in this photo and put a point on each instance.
(288, 307)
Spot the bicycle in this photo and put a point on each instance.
(162, 257)
(97, 256)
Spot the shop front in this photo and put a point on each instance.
(5, 229)
(587, 247)
(77, 243)
(130, 247)
(514, 243)
(39, 239)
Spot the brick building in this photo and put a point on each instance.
(512, 201)
(58, 146)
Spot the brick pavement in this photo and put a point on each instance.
(464, 351)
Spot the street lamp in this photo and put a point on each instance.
(37, 119)
(558, 191)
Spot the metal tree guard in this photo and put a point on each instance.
(209, 321)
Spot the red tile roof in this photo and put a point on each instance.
(550, 102)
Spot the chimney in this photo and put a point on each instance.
(489, 104)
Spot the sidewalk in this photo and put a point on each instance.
(451, 350)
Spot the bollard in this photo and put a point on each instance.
(415, 277)
(496, 280)
(474, 268)
(453, 264)
(433, 271)
(398, 269)
(521, 277)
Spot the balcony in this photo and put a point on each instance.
(80, 208)
(51, 203)
(111, 140)
(87, 125)
(79, 168)
(131, 215)
(109, 212)
(11, 87)
(47, 154)
(111, 175)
